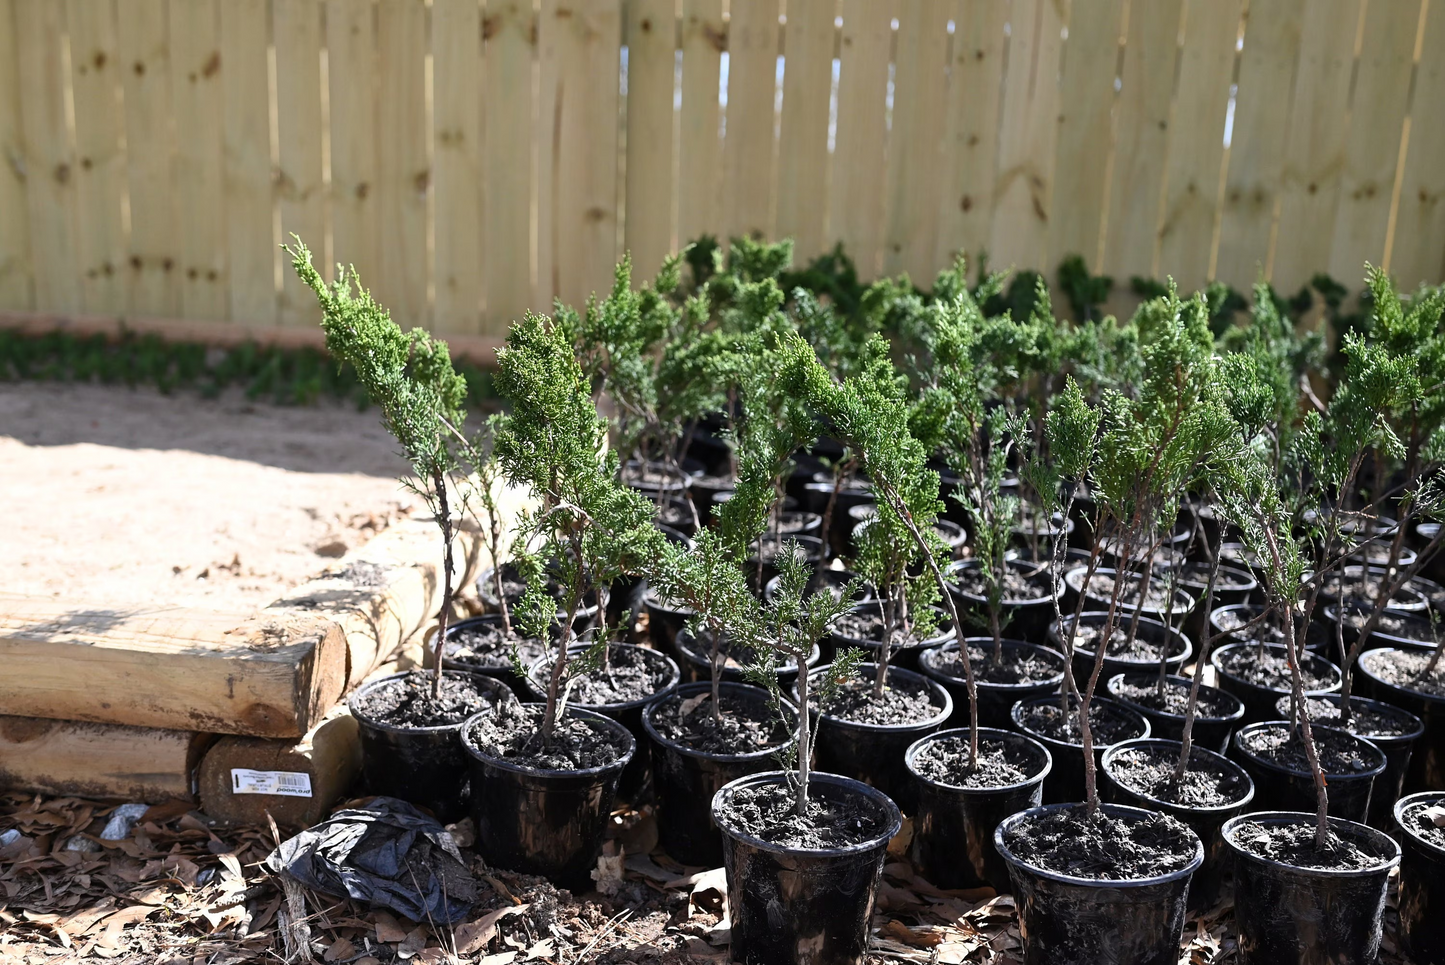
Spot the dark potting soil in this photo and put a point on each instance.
(1108, 727)
(408, 702)
(1404, 668)
(1103, 848)
(1196, 576)
(1362, 591)
(632, 673)
(1144, 647)
(868, 625)
(1294, 844)
(1101, 587)
(487, 645)
(1175, 700)
(1421, 818)
(1149, 770)
(1018, 586)
(1270, 669)
(650, 476)
(514, 734)
(1000, 763)
(903, 702)
(795, 521)
(742, 726)
(768, 812)
(1017, 666)
(736, 656)
(675, 514)
(1396, 625)
(772, 547)
(1338, 753)
(1364, 719)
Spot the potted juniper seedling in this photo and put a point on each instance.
(545, 775)
(409, 721)
(803, 850)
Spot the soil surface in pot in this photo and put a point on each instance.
(1195, 576)
(1404, 668)
(650, 476)
(1365, 720)
(742, 727)
(408, 702)
(678, 515)
(1294, 844)
(1361, 591)
(868, 625)
(1338, 753)
(1018, 587)
(1108, 726)
(1213, 704)
(1017, 666)
(514, 734)
(772, 547)
(1101, 587)
(794, 521)
(1149, 770)
(488, 645)
(1144, 647)
(904, 701)
(769, 812)
(1421, 818)
(1103, 848)
(1000, 763)
(1270, 669)
(631, 674)
(736, 656)
(1395, 624)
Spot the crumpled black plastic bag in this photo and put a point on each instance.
(387, 853)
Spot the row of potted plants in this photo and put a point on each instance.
(849, 542)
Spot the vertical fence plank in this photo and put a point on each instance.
(100, 171)
(1150, 52)
(920, 96)
(1418, 255)
(651, 70)
(970, 142)
(507, 242)
(1256, 154)
(15, 290)
(1196, 141)
(200, 220)
(457, 124)
(49, 158)
(246, 139)
(586, 38)
(856, 200)
(748, 145)
(803, 139)
(1085, 136)
(1315, 144)
(1027, 130)
(300, 189)
(1377, 117)
(704, 38)
(403, 172)
(351, 82)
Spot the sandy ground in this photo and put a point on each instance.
(125, 495)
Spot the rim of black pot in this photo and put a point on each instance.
(674, 677)
(585, 610)
(1420, 604)
(1332, 613)
(929, 657)
(1249, 585)
(1236, 714)
(812, 546)
(1111, 809)
(865, 671)
(918, 746)
(503, 693)
(1252, 608)
(651, 598)
(700, 686)
(1217, 758)
(953, 534)
(1016, 711)
(1237, 742)
(1369, 656)
(1173, 634)
(1124, 605)
(698, 659)
(1217, 653)
(893, 816)
(674, 534)
(1354, 829)
(1410, 800)
(1050, 532)
(770, 587)
(581, 713)
(957, 566)
(1417, 726)
(931, 642)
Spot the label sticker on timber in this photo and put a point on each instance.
(285, 783)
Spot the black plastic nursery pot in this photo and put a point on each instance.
(874, 753)
(1068, 920)
(1228, 623)
(1282, 788)
(953, 826)
(1396, 741)
(665, 619)
(803, 906)
(1095, 600)
(903, 655)
(1211, 730)
(995, 698)
(810, 547)
(487, 591)
(1233, 585)
(835, 581)
(1422, 878)
(1145, 656)
(490, 661)
(1427, 765)
(954, 536)
(1413, 597)
(1402, 630)
(1065, 781)
(423, 765)
(1025, 618)
(696, 665)
(1207, 821)
(544, 822)
(685, 779)
(1259, 699)
(1292, 915)
(624, 600)
(655, 480)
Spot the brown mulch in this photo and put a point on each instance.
(177, 891)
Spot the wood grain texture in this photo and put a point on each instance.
(749, 153)
(859, 158)
(1418, 255)
(198, 200)
(329, 755)
(300, 189)
(915, 152)
(246, 162)
(970, 142)
(508, 243)
(15, 288)
(403, 165)
(352, 83)
(803, 136)
(100, 169)
(1196, 141)
(68, 757)
(457, 101)
(699, 183)
(651, 70)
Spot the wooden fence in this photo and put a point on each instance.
(475, 158)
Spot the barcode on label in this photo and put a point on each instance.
(283, 783)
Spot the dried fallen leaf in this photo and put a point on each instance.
(387, 928)
(693, 703)
(413, 943)
(1436, 815)
(501, 958)
(473, 936)
(341, 950)
(898, 931)
(608, 873)
(543, 949)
